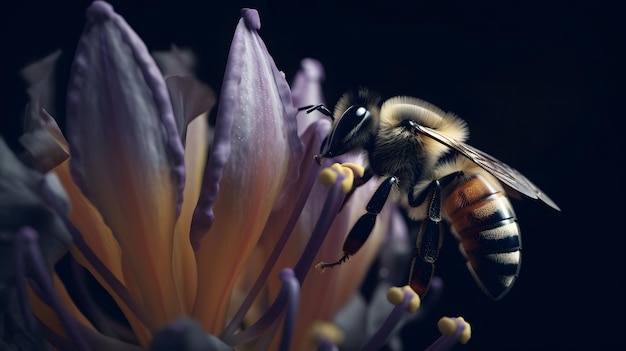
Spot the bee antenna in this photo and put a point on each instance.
(321, 108)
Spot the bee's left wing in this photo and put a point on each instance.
(503, 172)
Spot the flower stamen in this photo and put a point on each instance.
(404, 299)
(27, 249)
(324, 336)
(349, 170)
(292, 286)
(92, 310)
(116, 286)
(453, 330)
(271, 261)
(329, 211)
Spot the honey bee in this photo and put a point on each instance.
(419, 153)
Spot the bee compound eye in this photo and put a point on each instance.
(361, 111)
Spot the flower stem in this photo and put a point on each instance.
(446, 342)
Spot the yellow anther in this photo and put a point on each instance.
(447, 326)
(415, 300)
(467, 332)
(327, 176)
(324, 331)
(358, 170)
(395, 295)
(336, 166)
(348, 180)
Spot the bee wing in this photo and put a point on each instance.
(503, 172)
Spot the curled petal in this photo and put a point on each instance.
(190, 98)
(22, 202)
(175, 62)
(127, 156)
(44, 144)
(196, 149)
(191, 101)
(254, 154)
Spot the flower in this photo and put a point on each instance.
(188, 241)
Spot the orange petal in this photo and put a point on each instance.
(185, 272)
(126, 154)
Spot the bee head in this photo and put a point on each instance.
(356, 126)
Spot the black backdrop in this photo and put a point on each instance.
(533, 81)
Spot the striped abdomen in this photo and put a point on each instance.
(482, 219)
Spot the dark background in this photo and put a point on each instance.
(533, 80)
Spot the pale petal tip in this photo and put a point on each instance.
(99, 11)
(251, 18)
(313, 69)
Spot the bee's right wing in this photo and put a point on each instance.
(503, 172)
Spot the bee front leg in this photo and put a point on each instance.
(364, 226)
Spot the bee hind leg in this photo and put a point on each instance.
(427, 246)
(429, 237)
(364, 226)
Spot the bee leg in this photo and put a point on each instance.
(364, 226)
(430, 235)
(443, 181)
(358, 181)
(428, 244)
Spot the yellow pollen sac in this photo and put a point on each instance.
(324, 331)
(327, 176)
(447, 326)
(336, 166)
(348, 180)
(415, 300)
(395, 295)
(358, 170)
